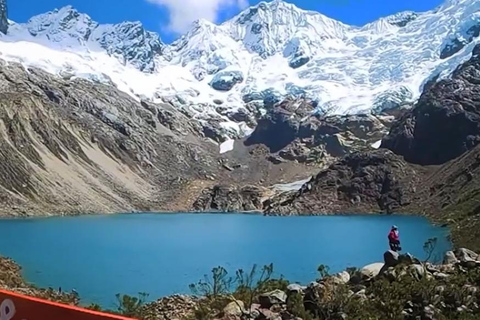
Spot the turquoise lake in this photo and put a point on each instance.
(161, 254)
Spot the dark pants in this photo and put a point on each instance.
(395, 246)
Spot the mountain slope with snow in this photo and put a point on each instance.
(263, 54)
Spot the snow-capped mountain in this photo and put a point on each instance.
(67, 28)
(268, 51)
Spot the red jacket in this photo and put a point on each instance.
(393, 236)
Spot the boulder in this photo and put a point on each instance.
(371, 271)
(463, 254)
(467, 258)
(362, 295)
(417, 271)
(295, 288)
(341, 278)
(267, 300)
(234, 308)
(450, 258)
(391, 258)
(408, 259)
(391, 274)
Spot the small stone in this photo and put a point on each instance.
(440, 275)
(428, 313)
(255, 314)
(362, 295)
(440, 289)
(358, 288)
(470, 289)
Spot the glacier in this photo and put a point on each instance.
(265, 53)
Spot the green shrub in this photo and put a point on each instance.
(130, 306)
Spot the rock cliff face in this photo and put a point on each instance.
(361, 182)
(75, 146)
(231, 199)
(70, 145)
(3, 16)
(445, 122)
(294, 132)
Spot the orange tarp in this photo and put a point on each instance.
(19, 307)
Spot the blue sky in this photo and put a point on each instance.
(171, 17)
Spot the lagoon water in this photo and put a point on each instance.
(162, 254)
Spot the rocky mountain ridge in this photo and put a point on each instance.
(262, 55)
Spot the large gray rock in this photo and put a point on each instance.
(467, 257)
(295, 288)
(371, 271)
(417, 271)
(463, 254)
(407, 258)
(450, 258)
(341, 278)
(391, 258)
(274, 297)
(234, 308)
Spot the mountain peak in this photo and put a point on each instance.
(67, 8)
(274, 4)
(202, 24)
(62, 24)
(269, 27)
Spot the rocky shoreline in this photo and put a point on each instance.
(400, 287)
(11, 279)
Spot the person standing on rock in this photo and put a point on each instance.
(394, 239)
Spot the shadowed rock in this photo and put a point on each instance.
(445, 122)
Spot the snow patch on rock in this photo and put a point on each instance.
(227, 146)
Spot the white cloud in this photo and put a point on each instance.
(183, 12)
